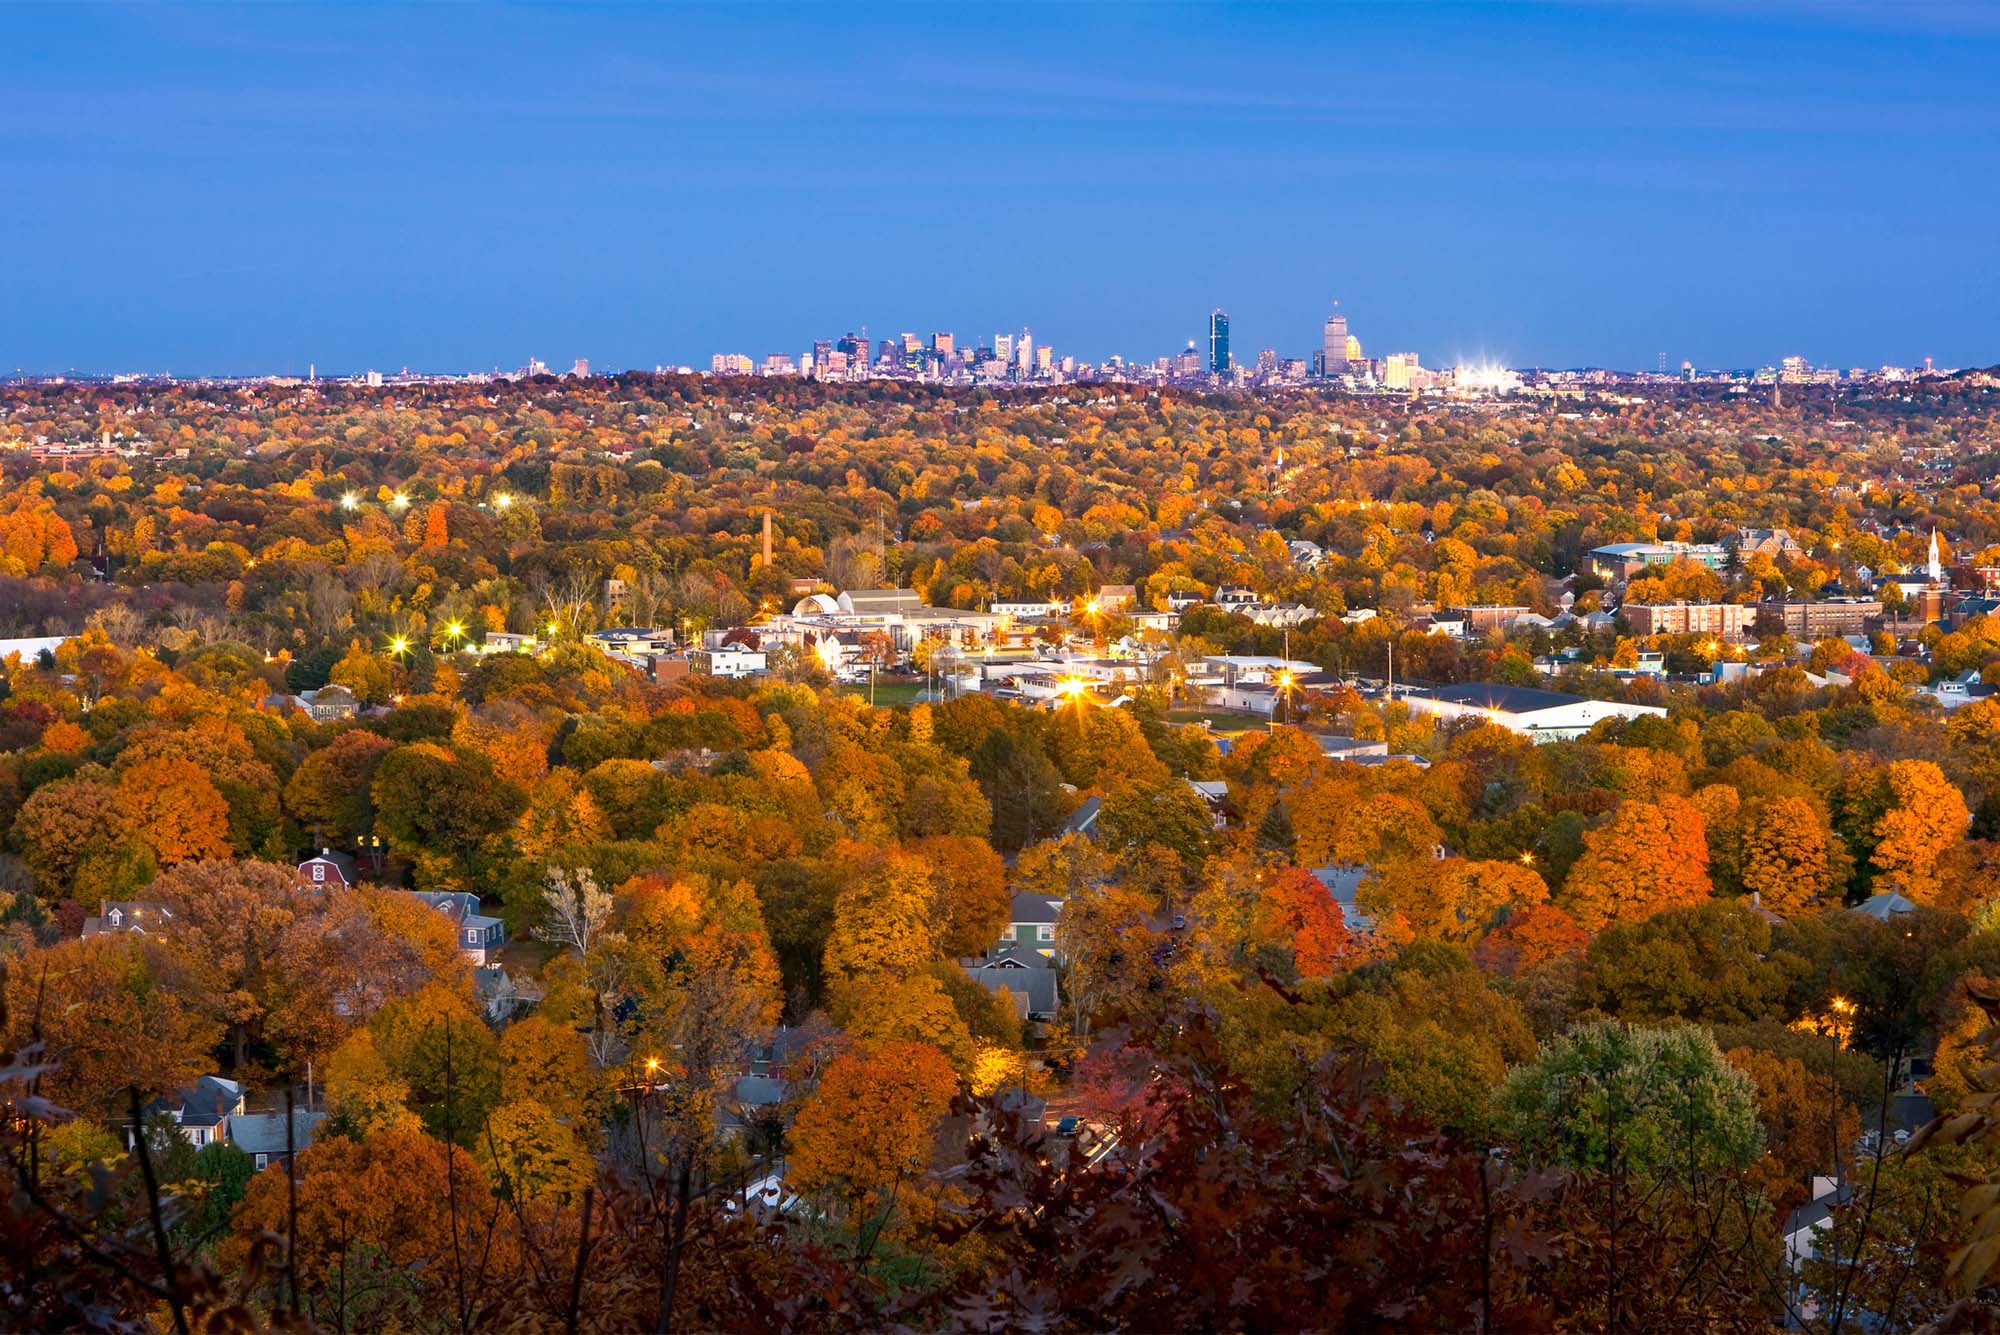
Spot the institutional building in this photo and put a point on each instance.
(1545, 716)
(1729, 621)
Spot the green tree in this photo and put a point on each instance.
(1613, 1097)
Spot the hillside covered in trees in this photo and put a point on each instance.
(1567, 1052)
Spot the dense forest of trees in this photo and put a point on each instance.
(1609, 1014)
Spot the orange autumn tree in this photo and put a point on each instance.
(1784, 857)
(1332, 827)
(1926, 820)
(1296, 912)
(868, 1127)
(174, 810)
(1651, 857)
(1450, 899)
(376, 1230)
(1531, 938)
(112, 1010)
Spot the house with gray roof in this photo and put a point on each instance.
(262, 1135)
(1026, 976)
(480, 935)
(1031, 924)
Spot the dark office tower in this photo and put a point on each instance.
(1333, 347)
(1218, 341)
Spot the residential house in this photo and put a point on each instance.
(328, 867)
(1031, 924)
(128, 915)
(1116, 597)
(1214, 795)
(203, 1109)
(1084, 819)
(479, 935)
(262, 1135)
(1885, 905)
(1026, 976)
(1306, 555)
(1957, 692)
(1343, 884)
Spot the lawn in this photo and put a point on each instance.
(1219, 720)
(888, 694)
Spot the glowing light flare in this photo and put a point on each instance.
(348, 500)
(399, 500)
(399, 645)
(502, 501)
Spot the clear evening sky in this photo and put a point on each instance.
(450, 188)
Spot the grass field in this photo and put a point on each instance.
(888, 693)
(1220, 721)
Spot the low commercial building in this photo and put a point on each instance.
(732, 661)
(1545, 716)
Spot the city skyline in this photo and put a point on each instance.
(1556, 186)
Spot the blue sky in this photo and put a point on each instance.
(451, 187)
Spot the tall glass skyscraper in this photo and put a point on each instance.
(1218, 341)
(1333, 351)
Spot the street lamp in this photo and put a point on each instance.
(399, 500)
(502, 501)
(348, 500)
(399, 646)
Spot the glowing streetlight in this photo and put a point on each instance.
(828, 654)
(553, 628)
(348, 500)
(1527, 859)
(399, 500)
(399, 646)
(1090, 608)
(502, 501)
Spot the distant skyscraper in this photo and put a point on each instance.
(1003, 347)
(1333, 347)
(941, 344)
(1024, 351)
(1218, 341)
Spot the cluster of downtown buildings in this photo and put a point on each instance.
(1010, 359)
(1340, 359)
